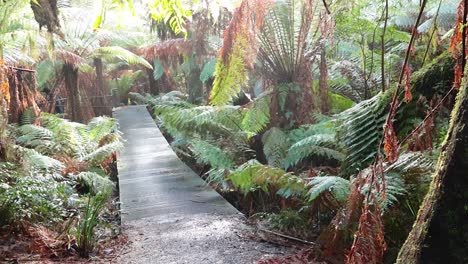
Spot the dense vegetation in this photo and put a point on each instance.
(319, 119)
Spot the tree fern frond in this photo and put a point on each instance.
(99, 127)
(337, 186)
(275, 146)
(249, 177)
(212, 155)
(257, 117)
(208, 71)
(119, 53)
(28, 116)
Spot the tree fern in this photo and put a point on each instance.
(102, 153)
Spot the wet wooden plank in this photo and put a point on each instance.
(153, 181)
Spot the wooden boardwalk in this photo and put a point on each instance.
(153, 181)
(169, 214)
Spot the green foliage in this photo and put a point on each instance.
(337, 186)
(318, 140)
(92, 143)
(45, 71)
(208, 71)
(339, 103)
(85, 236)
(229, 78)
(94, 182)
(288, 221)
(28, 116)
(251, 176)
(362, 128)
(172, 12)
(118, 53)
(32, 198)
(212, 155)
(275, 146)
(33, 161)
(257, 116)
(158, 71)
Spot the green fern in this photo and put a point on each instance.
(317, 140)
(275, 146)
(115, 52)
(100, 154)
(208, 71)
(257, 116)
(28, 116)
(361, 130)
(34, 161)
(212, 155)
(95, 182)
(229, 78)
(251, 176)
(337, 186)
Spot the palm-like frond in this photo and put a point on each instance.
(119, 53)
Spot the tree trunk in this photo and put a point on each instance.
(153, 86)
(195, 85)
(4, 95)
(440, 232)
(323, 86)
(71, 86)
(100, 103)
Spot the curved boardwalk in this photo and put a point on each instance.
(168, 212)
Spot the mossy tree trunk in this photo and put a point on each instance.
(440, 232)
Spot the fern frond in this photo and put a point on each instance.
(208, 71)
(100, 154)
(337, 186)
(99, 127)
(119, 53)
(249, 177)
(212, 155)
(33, 160)
(275, 146)
(95, 182)
(314, 145)
(362, 127)
(257, 117)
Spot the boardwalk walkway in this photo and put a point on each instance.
(169, 213)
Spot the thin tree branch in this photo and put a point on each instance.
(20, 69)
(326, 7)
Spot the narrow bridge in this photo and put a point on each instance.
(169, 213)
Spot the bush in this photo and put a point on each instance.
(32, 198)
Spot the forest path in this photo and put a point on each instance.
(168, 211)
